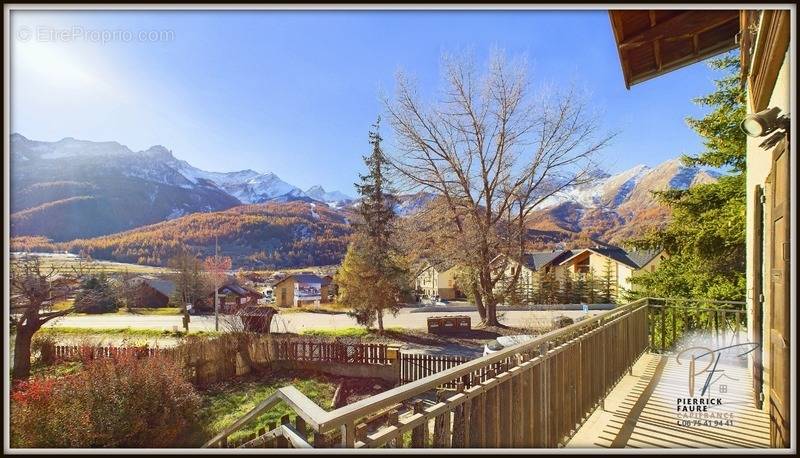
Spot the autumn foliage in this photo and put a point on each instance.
(269, 235)
(115, 402)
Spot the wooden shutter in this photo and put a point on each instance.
(778, 339)
(758, 294)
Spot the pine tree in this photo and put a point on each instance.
(376, 208)
(96, 295)
(705, 238)
(567, 289)
(580, 287)
(373, 275)
(591, 285)
(608, 282)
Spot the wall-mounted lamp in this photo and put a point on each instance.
(764, 122)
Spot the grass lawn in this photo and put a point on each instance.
(323, 308)
(225, 404)
(356, 332)
(63, 305)
(120, 332)
(150, 311)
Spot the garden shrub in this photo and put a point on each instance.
(114, 402)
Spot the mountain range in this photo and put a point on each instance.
(72, 188)
(140, 206)
(613, 208)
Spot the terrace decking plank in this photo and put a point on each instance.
(641, 412)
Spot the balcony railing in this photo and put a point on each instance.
(534, 394)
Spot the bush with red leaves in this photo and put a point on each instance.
(114, 402)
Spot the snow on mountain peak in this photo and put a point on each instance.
(317, 192)
(635, 183)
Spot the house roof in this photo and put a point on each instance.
(539, 259)
(643, 257)
(301, 278)
(653, 42)
(162, 285)
(634, 259)
(237, 288)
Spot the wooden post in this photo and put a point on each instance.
(320, 440)
(392, 418)
(419, 435)
(460, 425)
(505, 433)
(272, 443)
(491, 410)
(281, 441)
(441, 426)
(300, 426)
(476, 419)
(348, 435)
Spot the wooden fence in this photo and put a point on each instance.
(53, 353)
(534, 394)
(222, 358)
(332, 352)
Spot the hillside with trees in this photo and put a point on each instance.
(269, 235)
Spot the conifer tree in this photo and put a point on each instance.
(567, 289)
(373, 276)
(608, 282)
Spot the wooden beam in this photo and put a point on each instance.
(686, 23)
(656, 43)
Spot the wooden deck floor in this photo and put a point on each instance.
(641, 412)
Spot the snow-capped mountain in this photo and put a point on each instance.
(613, 207)
(632, 185)
(334, 198)
(125, 188)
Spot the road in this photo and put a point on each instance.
(297, 322)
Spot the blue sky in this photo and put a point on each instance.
(295, 92)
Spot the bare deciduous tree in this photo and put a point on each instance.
(491, 152)
(31, 289)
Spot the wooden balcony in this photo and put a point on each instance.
(640, 412)
(608, 381)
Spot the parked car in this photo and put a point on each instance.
(505, 342)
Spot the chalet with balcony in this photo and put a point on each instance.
(613, 263)
(297, 290)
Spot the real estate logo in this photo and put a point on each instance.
(705, 408)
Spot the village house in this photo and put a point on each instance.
(612, 263)
(533, 269)
(233, 296)
(548, 270)
(297, 290)
(437, 280)
(149, 291)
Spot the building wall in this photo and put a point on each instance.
(426, 281)
(432, 282)
(150, 297)
(759, 163)
(446, 282)
(284, 293)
